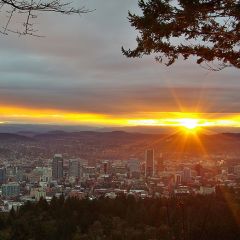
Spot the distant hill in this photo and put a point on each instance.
(14, 137)
(164, 142)
(27, 133)
(119, 137)
(120, 144)
(42, 128)
(26, 129)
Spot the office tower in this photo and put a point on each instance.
(10, 190)
(186, 175)
(159, 164)
(134, 165)
(74, 168)
(105, 167)
(199, 169)
(3, 175)
(134, 168)
(46, 174)
(178, 178)
(149, 163)
(57, 167)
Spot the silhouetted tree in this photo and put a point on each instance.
(189, 218)
(206, 29)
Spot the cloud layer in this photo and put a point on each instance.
(79, 67)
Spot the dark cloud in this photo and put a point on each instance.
(117, 101)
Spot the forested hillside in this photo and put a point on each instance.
(189, 218)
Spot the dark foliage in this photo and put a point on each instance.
(191, 218)
(207, 29)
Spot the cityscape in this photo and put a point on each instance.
(119, 120)
(154, 174)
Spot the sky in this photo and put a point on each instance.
(76, 74)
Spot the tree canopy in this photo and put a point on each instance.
(26, 11)
(186, 217)
(205, 29)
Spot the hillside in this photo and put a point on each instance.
(118, 144)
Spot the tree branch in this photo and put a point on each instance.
(23, 7)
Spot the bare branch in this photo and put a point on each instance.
(30, 9)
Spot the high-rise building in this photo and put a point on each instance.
(178, 178)
(57, 167)
(149, 163)
(74, 168)
(159, 164)
(11, 189)
(134, 167)
(105, 167)
(199, 169)
(3, 175)
(186, 175)
(46, 174)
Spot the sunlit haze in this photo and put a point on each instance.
(169, 119)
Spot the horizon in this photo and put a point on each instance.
(89, 81)
(17, 128)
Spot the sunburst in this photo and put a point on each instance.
(189, 123)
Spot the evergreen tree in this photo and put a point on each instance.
(206, 29)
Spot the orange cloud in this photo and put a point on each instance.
(170, 119)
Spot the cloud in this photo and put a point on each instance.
(79, 67)
(119, 101)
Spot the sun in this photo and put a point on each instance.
(189, 123)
